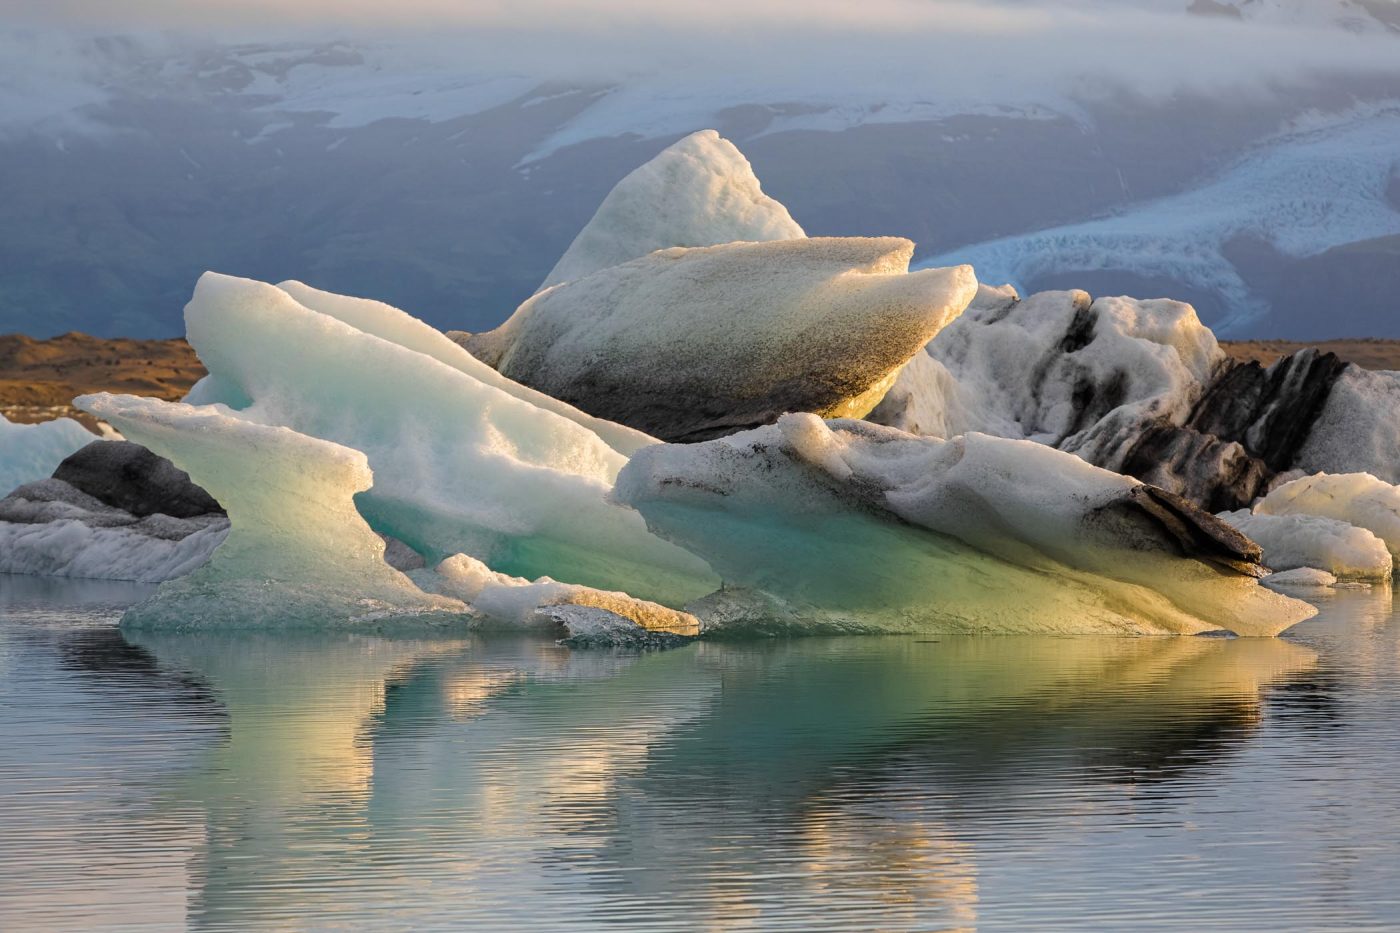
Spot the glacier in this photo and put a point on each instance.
(1319, 185)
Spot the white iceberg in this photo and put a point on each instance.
(51, 528)
(688, 344)
(1358, 499)
(1058, 368)
(859, 528)
(700, 191)
(297, 551)
(514, 602)
(1358, 429)
(461, 465)
(30, 452)
(1295, 541)
(1300, 577)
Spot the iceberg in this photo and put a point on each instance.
(857, 527)
(297, 552)
(387, 322)
(693, 343)
(461, 465)
(1300, 577)
(514, 602)
(700, 191)
(30, 452)
(1295, 541)
(1358, 428)
(1058, 368)
(1358, 499)
(1143, 388)
(55, 529)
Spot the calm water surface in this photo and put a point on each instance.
(937, 783)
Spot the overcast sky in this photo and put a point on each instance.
(962, 48)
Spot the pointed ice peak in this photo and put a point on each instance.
(700, 191)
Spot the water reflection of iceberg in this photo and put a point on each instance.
(467, 779)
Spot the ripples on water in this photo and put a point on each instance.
(925, 783)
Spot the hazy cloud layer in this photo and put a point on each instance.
(1004, 51)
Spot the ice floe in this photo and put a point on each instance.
(1358, 499)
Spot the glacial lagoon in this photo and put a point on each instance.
(258, 781)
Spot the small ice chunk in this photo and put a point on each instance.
(515, 602)
(1300, 577)
(1358, 499)
(1294, 541)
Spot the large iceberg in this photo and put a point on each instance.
(30, 452)
(700, 191)
(689, 344)
(1142, 388)
(461, 465)
(856, 527)
(297, 552)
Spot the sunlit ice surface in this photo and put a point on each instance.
(160, 781)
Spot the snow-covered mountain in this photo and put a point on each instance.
(1355, 15)
(447, 178)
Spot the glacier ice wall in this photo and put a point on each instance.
(1319, 186)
